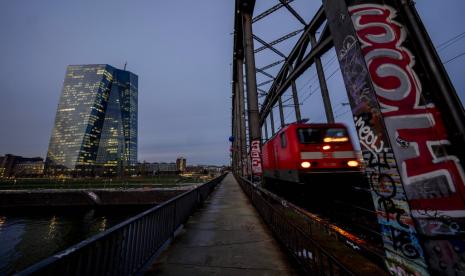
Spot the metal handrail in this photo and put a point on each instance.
(312, 258)
(128, 246)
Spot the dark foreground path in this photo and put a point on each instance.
(225, 237)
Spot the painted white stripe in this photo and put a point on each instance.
(343, 154)
(311, 155)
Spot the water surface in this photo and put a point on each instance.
(32, 234)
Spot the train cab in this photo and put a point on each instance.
(299, 151)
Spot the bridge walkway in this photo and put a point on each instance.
(224, 237)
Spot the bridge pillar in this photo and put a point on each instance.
(242, 133)
(252, 95)
(404, 125)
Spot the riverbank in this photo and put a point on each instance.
(88, 197)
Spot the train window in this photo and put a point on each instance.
(283, 140)
(336, 132)
(310, 135)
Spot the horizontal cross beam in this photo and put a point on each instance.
(269, 11)
(279, 40)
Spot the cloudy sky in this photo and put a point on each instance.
(181, 50)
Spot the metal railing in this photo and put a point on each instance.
(129, 246)
(312, 258)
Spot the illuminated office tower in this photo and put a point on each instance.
(95, 129)
(181, 164)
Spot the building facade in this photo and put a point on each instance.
(18, 166)
(181, 164)
(95, 130)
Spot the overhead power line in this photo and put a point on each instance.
(454, 58)
(450, 42)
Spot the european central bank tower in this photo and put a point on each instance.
(95, 131)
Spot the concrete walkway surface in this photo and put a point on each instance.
(225, 237)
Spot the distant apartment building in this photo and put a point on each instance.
(181, 164)
(150, 169)
(166, 168)
(95, 130)
(18, 166)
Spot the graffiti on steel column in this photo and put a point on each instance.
(399, 235)
(255, 157)
(433, 178)
(404, 254)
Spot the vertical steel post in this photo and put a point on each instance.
(266, 130)
(323, 87)
(295, 97)
(272, 122)
(242, 134)
(252, 96)
(234, 133)
(237, 138)
(281, 112)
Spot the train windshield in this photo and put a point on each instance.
(310, 135)
(319, 135)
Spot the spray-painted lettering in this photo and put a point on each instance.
(433, 178)
(255, 156)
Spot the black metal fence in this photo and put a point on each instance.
(127, 247)
(312, 258)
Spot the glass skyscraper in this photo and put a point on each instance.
(95, 129)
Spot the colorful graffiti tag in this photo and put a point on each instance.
(417, 184)
(433, 178)
(255, 153)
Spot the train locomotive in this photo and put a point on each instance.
(301, 151)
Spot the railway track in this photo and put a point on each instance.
(350, 208)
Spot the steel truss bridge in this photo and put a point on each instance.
(401, 104)
(406, 218)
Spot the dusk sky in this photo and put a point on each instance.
(180, 49)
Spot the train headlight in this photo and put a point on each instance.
(352, 163)
(326, 147)
(305, 165)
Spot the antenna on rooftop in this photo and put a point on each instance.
(125, 64)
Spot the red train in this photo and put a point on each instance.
(299, 151)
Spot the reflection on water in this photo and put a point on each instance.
(27, 236)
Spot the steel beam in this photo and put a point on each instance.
(252, 96)
(269, 11)
(242, 128)
(295, 97)
(266, 131)
(267, 45)
(314, 24)
(323, 86)
(264, 73)
(272, 64)
(320, 48)
(281, 112)
(279, 40)
(264, 83)
(293, 12)
(272, 123)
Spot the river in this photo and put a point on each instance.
(30, 235)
